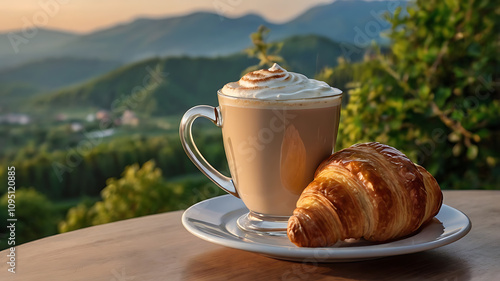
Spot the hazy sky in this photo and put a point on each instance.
(88, 15)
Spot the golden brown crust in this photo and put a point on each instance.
(368, 190)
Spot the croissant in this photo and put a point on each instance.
(370, 191)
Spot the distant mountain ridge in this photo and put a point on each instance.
(24, 46)
(200, 34)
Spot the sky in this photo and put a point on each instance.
(88, 15)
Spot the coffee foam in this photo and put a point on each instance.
(318, 102)
(276, 83)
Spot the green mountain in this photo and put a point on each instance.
(154, 86)
(31, 79)
(54, 73)
(164, 86)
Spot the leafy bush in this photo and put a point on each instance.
(139, 192)
(34, 213)
(436, 95)
(266, 53)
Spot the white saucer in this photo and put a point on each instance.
(214, 220)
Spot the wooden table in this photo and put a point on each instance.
(157, 247)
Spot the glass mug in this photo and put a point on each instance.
(273, 148)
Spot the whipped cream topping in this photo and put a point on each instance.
(276, 83)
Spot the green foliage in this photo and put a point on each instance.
(35, 216)
(80, 216)
(83, 169)
(310, 54)
(436, 96)
(266, 53)
(14, 94)
(139, 192)
(342, 77)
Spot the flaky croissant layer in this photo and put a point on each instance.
(370, 191)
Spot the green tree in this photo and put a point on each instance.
(34, 213)
(436, 95)
(80, 216)
(266, 52)
(140, 191)
(343, 76)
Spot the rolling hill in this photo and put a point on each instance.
(49, 74)
(183, 81)
(28, 80)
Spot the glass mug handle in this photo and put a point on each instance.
(185, 131)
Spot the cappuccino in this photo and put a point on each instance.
(277, 128)
(273, 149)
